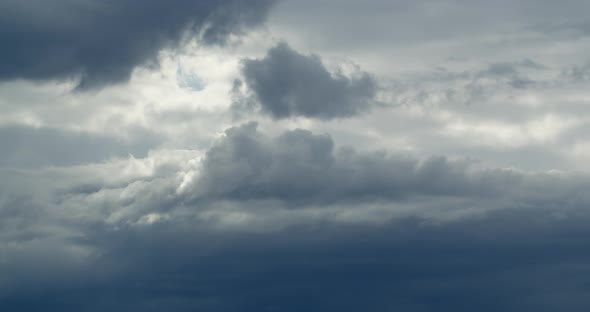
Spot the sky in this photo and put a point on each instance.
(294, 155)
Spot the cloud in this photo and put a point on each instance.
(343, 208)
(286, 83)
(488, 264)
(299, 166)
(102, 41)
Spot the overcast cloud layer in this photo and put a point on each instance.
(294, 155)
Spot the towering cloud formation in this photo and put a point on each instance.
(101, 41)
(289, 84)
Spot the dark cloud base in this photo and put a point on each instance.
(508, 261)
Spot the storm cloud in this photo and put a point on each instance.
(286, 83)
(100, 42)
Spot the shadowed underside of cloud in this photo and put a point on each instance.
(509, 261)
(102, 41)
(287, 84)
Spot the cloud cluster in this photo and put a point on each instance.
(101, 41)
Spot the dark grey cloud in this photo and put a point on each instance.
(298, 166)
(286, 83)
(508, 261)
(102, 41)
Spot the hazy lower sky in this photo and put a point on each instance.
(294, 155)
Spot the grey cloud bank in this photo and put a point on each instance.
(489, 264)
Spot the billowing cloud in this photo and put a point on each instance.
(286, 83)
(299, 166)
(102, 41)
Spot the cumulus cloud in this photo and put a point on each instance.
(300, 166)
(286, 83)
(101, 42)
